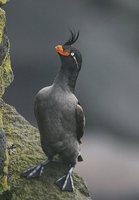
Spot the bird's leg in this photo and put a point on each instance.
(65, 183)
(37, 170)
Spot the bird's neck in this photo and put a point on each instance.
(66, 79)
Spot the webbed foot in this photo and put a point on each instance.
(65, 183)
(35, 171)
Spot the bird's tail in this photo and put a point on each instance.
(80, 159)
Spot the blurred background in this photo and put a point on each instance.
(107, 87)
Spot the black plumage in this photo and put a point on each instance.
(80, 119)
(73, 38)
(59, 115)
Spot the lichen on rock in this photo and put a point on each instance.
(6, 77)
(2, 23)
(2, 2)
(6, 74)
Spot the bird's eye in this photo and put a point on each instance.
(72, 54)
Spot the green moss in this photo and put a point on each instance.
(5, 80)
(2, 23)
(5, 186)
(2, 2)
(6, 74)
(4, 179)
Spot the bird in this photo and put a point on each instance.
(59, 115)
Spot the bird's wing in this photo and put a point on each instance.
(80, 122)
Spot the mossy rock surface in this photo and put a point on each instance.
(6, 74)
(28, 153)
(6, 77)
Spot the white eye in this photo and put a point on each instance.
(72, 54)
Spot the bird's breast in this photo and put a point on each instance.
(56, 113)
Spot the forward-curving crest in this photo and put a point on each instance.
(73, 37)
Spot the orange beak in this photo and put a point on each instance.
(61, 51)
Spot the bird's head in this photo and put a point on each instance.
(70, 56)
